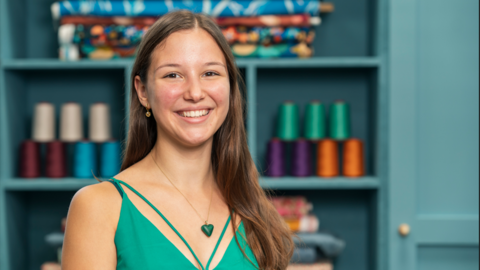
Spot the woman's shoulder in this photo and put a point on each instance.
(99, 201)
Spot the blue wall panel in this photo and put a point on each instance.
(447, 102)
(448, 258)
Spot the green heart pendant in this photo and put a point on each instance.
(207, 229)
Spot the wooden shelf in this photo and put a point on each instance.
(36, 64)
(47, 184)
(298, 183)
(312, 183)
(315, 62)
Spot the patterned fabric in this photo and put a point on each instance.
(301, 50)
(215, 8)
(303, 20)
(269, 20)
(268, 35)
(109, 35)
(117, 20)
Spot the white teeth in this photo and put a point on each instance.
(194, 113)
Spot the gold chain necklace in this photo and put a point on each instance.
(207, 229)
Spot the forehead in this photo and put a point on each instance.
(187, 47)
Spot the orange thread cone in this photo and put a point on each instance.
(327, 158)
(353, 158)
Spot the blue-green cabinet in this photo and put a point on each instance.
(409, 69)
(433, 134)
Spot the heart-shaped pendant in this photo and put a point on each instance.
(207, 229)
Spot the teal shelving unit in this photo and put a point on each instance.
(349, 64)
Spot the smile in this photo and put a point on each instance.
(193, 114)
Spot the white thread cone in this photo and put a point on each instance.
(99, 123)
(71, 124)
(43, 124)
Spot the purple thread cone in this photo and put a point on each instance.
(275, 158)
(301, 158)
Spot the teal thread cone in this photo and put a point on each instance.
(339, 121)
(85, 159)
(315, 121)
(110, 159)
(288, 122)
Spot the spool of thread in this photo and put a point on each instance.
(85, 159)
(99, 122)
(315, 121)
(43, 124)
(288, 121)
(71, 123)
(301, 160)
(56, 160)
(339, 120)
(29, 159)
(110, 159)
(353, 165)
(275, 158)
(327, 158)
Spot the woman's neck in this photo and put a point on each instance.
(189, 168)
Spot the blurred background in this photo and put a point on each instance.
(362, 118)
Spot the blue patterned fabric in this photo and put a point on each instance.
(215, 8)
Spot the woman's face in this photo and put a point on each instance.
(188, 87)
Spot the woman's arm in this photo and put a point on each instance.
(90, 230)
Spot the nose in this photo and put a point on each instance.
(194, 91)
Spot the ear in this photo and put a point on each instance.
(141, 91)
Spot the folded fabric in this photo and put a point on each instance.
(308, 224)
(54, 239)
(101, 35)
(116, 20)
(268, 35)
(51, 266)
(329, 245)
(304, 255)
(314, 266)
(270, 20)
(301, 50)
(106, 52)
(73, 52)
(215, 8)
(292, 207)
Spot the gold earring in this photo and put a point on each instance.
(148, 114)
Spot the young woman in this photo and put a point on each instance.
(188, 195)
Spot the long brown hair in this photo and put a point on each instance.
(237, 177)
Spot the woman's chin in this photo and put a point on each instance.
(193, 141)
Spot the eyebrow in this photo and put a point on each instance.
(177, 65)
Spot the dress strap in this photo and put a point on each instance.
(119, 188)
(218, 242)
(163, 217)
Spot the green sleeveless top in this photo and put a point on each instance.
(140, 245)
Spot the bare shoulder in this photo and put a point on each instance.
(90, 230)
(98, 202)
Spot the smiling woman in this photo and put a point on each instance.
(187, 169)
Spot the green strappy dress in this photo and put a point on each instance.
(140, 245)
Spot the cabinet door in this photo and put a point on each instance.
(433, 134)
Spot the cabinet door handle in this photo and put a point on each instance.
(404, 229)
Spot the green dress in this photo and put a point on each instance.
(140, 245)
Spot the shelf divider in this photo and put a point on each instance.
(314, 62)
(318, 183)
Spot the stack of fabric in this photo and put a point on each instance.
(314, 250)
(296, 213)
(255, 28)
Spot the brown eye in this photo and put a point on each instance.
(172, 75)
(210, 73)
